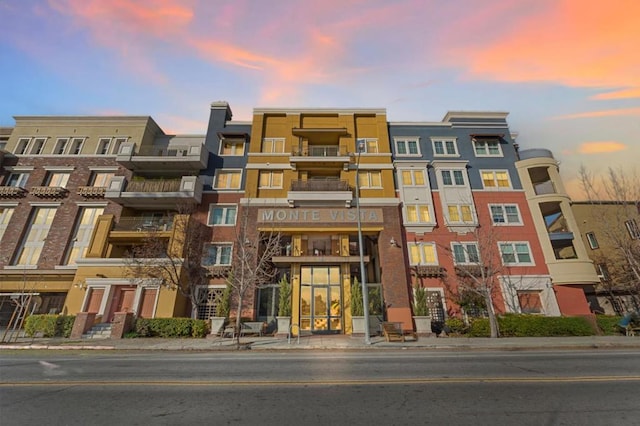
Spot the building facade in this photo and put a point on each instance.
(431, 205)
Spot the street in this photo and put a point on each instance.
(319, 387)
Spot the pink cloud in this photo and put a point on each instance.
(601, 147)
(603, 113)
(571, 42)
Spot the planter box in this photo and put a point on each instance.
(284, 323)
(423, 326)
(217, 325)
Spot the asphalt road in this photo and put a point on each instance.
(320, 387)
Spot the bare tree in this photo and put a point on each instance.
(620, 191)
(251, 264)
(174, 259)
(475, 283)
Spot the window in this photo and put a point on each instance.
(217, 254)
(460, 213)
(222, 215)
(422, 254)
(603, 272)
(407, 146)
(465, 253)
(61, 146)
(33, 241)
(273, 145)
(17, 180)
(228, 179)
(495, 178)
(453, 177)
(5, 217)
(412, 177)
(487, 148)
(56, 179)
(38, 146)
(76, 146)
(101, 179)
(632, 228)
(21, 147)
(529, 302)
(591, 239)
(444, 147)
(505, 214)
(211, 298)
(418, 213)
(370, 179)
(367, 145)
(87, 218)
(232, 147)
(270, 179)
(515, 253)
(116, 144)
(103, 146)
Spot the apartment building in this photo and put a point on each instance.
(610, 232)
(571, 269)
(465, 214)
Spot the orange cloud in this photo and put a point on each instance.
(619, 94)
(603, 113)
(601, 147)
(573, 42)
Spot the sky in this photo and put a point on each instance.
(567, 71)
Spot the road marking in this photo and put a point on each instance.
(392, 381)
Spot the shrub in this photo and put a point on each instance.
(357, 304)
(455, 326)
(49, 325)
(420, 308)
(171, 327)
(513, 325)
(608, 324)
(284, 299)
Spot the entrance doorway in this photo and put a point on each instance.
(321, 299)
(123, 298)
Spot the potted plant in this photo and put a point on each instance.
(223, 304)
(421, 316)
(357, 308)
(284, 307)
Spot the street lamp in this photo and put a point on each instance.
(363, 277)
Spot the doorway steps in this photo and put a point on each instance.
(98, 331)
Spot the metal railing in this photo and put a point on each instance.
(144, 224)
(320, 151)
(320, 185)
(154, 185)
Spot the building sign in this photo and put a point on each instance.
(319, 215)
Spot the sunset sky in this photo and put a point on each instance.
(567, 71)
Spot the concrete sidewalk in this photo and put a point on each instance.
(324, 342)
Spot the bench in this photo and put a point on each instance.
(252, 328)
(392, 331)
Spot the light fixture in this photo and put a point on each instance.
(393, 242)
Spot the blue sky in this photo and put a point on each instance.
(567, 71)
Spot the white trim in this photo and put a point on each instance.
(19, 169)
(103, 169)
(59, 168)
(44, 204)
(91, 204)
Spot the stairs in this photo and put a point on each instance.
(98, 331)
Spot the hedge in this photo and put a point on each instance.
(512, 325)
(171, 327)
(49, 325)
(609, 324)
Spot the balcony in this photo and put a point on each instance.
(142, 223)
(172, 158)
(320, 192)
(154, 193)
(332, 156)
(91, 191)
(49, 191)
(12, 192)
(283, 261)
(527, 154)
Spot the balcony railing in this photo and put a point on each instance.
(320, 151)
(48, 191)
(543, 188)
(320, 185)
(12, 192)
(91, 191)
(144, 224)
(154, 185)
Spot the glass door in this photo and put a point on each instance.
(320, 299)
